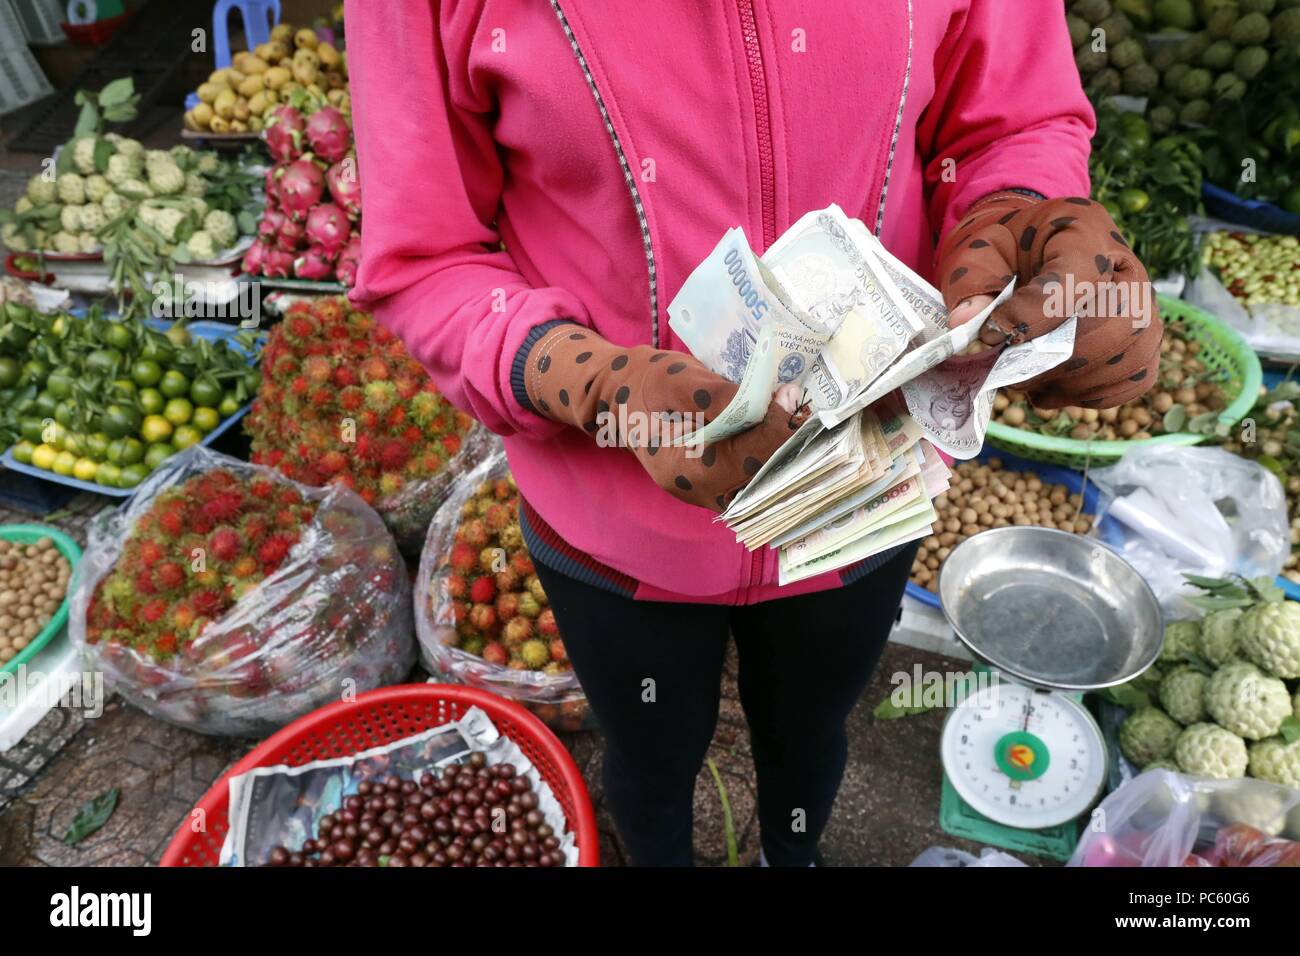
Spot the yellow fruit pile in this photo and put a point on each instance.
(239, 98)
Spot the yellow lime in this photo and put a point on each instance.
(85, 469)
(65, 463)
(43, 456)
(178, 411)
(205, 419)
(186, 435)
(155, 428)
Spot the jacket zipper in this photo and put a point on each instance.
(763, 120)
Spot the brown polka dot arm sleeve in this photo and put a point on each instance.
(638, 399)
(1068, 258)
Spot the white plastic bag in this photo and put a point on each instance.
(1192, 510)
(333, 617)
(946, 856)
(452, 648)
(1161, 818)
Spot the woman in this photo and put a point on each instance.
(609, 145)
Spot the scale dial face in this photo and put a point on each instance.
(1024, 758)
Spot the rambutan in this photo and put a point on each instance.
(166, 644)
(488, 560)
(381, 396)
(475, 533)
(517, 630)
(522, 564)
(390, 484)
(172, 523)
(507, 605)
(450, 444)
(351, 398)
(245, 567)
(463, 558)
(375, 369)
(152, 611)
(495, 653)
(151, 552)
(483, 617)
(329, 309)
(457, 586)
(558, 653)
(223, 507)
(224, 544)
(344, 377)
(546, 625)
(168, 576)
(407, 386)
(536, 654)
(497, 517)
(207, 603)
(483, 590)
(317, 369)
(272, 552)
(508, 580)
(393, 455)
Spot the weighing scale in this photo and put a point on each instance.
(1053, 615)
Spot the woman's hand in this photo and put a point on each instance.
(642, 398)
(1068, 258)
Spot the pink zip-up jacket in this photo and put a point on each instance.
(610, 143)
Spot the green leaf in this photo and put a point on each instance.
(728, 824)
(87, 121)
(1175, 418)
(888, 710)
(92, 816)
(1127, 696)
(119, 114)
(117, 92)
(103, 150)
(1290, 730)
(1209, 584)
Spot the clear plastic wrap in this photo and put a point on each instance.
(408, 511)
(1192, 510)
(555, 697)
(950, 857)
(1161, 818)
(333, 619)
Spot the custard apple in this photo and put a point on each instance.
(201, 246)
(83, 155)
(165, 179)
(1250, 62)
(1196, 111)
(127, 147)
(1146, 735)
(97, 187)
(1295, 704)
(1286, 26)
(72, 189)
(41, 190)
(70, 218)
(1220, 639)
(114, 205)
(1270, 636)
(1182, 695)
(208, 163)
(92, 217)
(134, 189)
(223, 228)
(87, 242)
(1208, 750)
(123, 168)
(1181, 641)
(195, 185)
(1247, 701)
(1276, 760)
(66, 242)
(13, 239)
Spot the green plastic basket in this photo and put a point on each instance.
(30, 534)
(1221, 348)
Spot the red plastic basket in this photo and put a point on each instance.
(379, 717)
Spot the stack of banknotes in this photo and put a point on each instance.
(828, 309)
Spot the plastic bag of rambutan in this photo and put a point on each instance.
(343, 402)
(226, 599)
(481, 615)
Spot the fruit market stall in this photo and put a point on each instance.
(301, 572)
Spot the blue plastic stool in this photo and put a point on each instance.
(258, 17)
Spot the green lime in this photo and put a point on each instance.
(108, 474)
(65, 412)
(64, 463)
(124, 388)
(85, 469)
(132, 451)
(178, 335)
(1134, 200)
(117, 335)
(155, 428)
(205, 419)
(174, 384)
(23, 452)
(59, 383)
(32, 430)
(132, 475)
(74, 442)
(228, 405)
(10, 371)
(146, 372)
(186, 435)
(43, 457)
(44, 404)
(97, 445)
(157, 454)
(121, 420)
(35, 371)
(205, 391)
(103, 362)
(178, 411)
(151, 401)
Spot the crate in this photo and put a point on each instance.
(21, 79)
(11, 28)
(41, 19)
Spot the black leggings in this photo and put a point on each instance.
(804, 661)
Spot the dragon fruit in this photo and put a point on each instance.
(255, 257)
(272, 222)
(291, 235)
(349, 258)
(278, 264)
(344, 186)
(328, 227)
(315, 263)
(300, 188)
(328, 134)
(284, 132)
